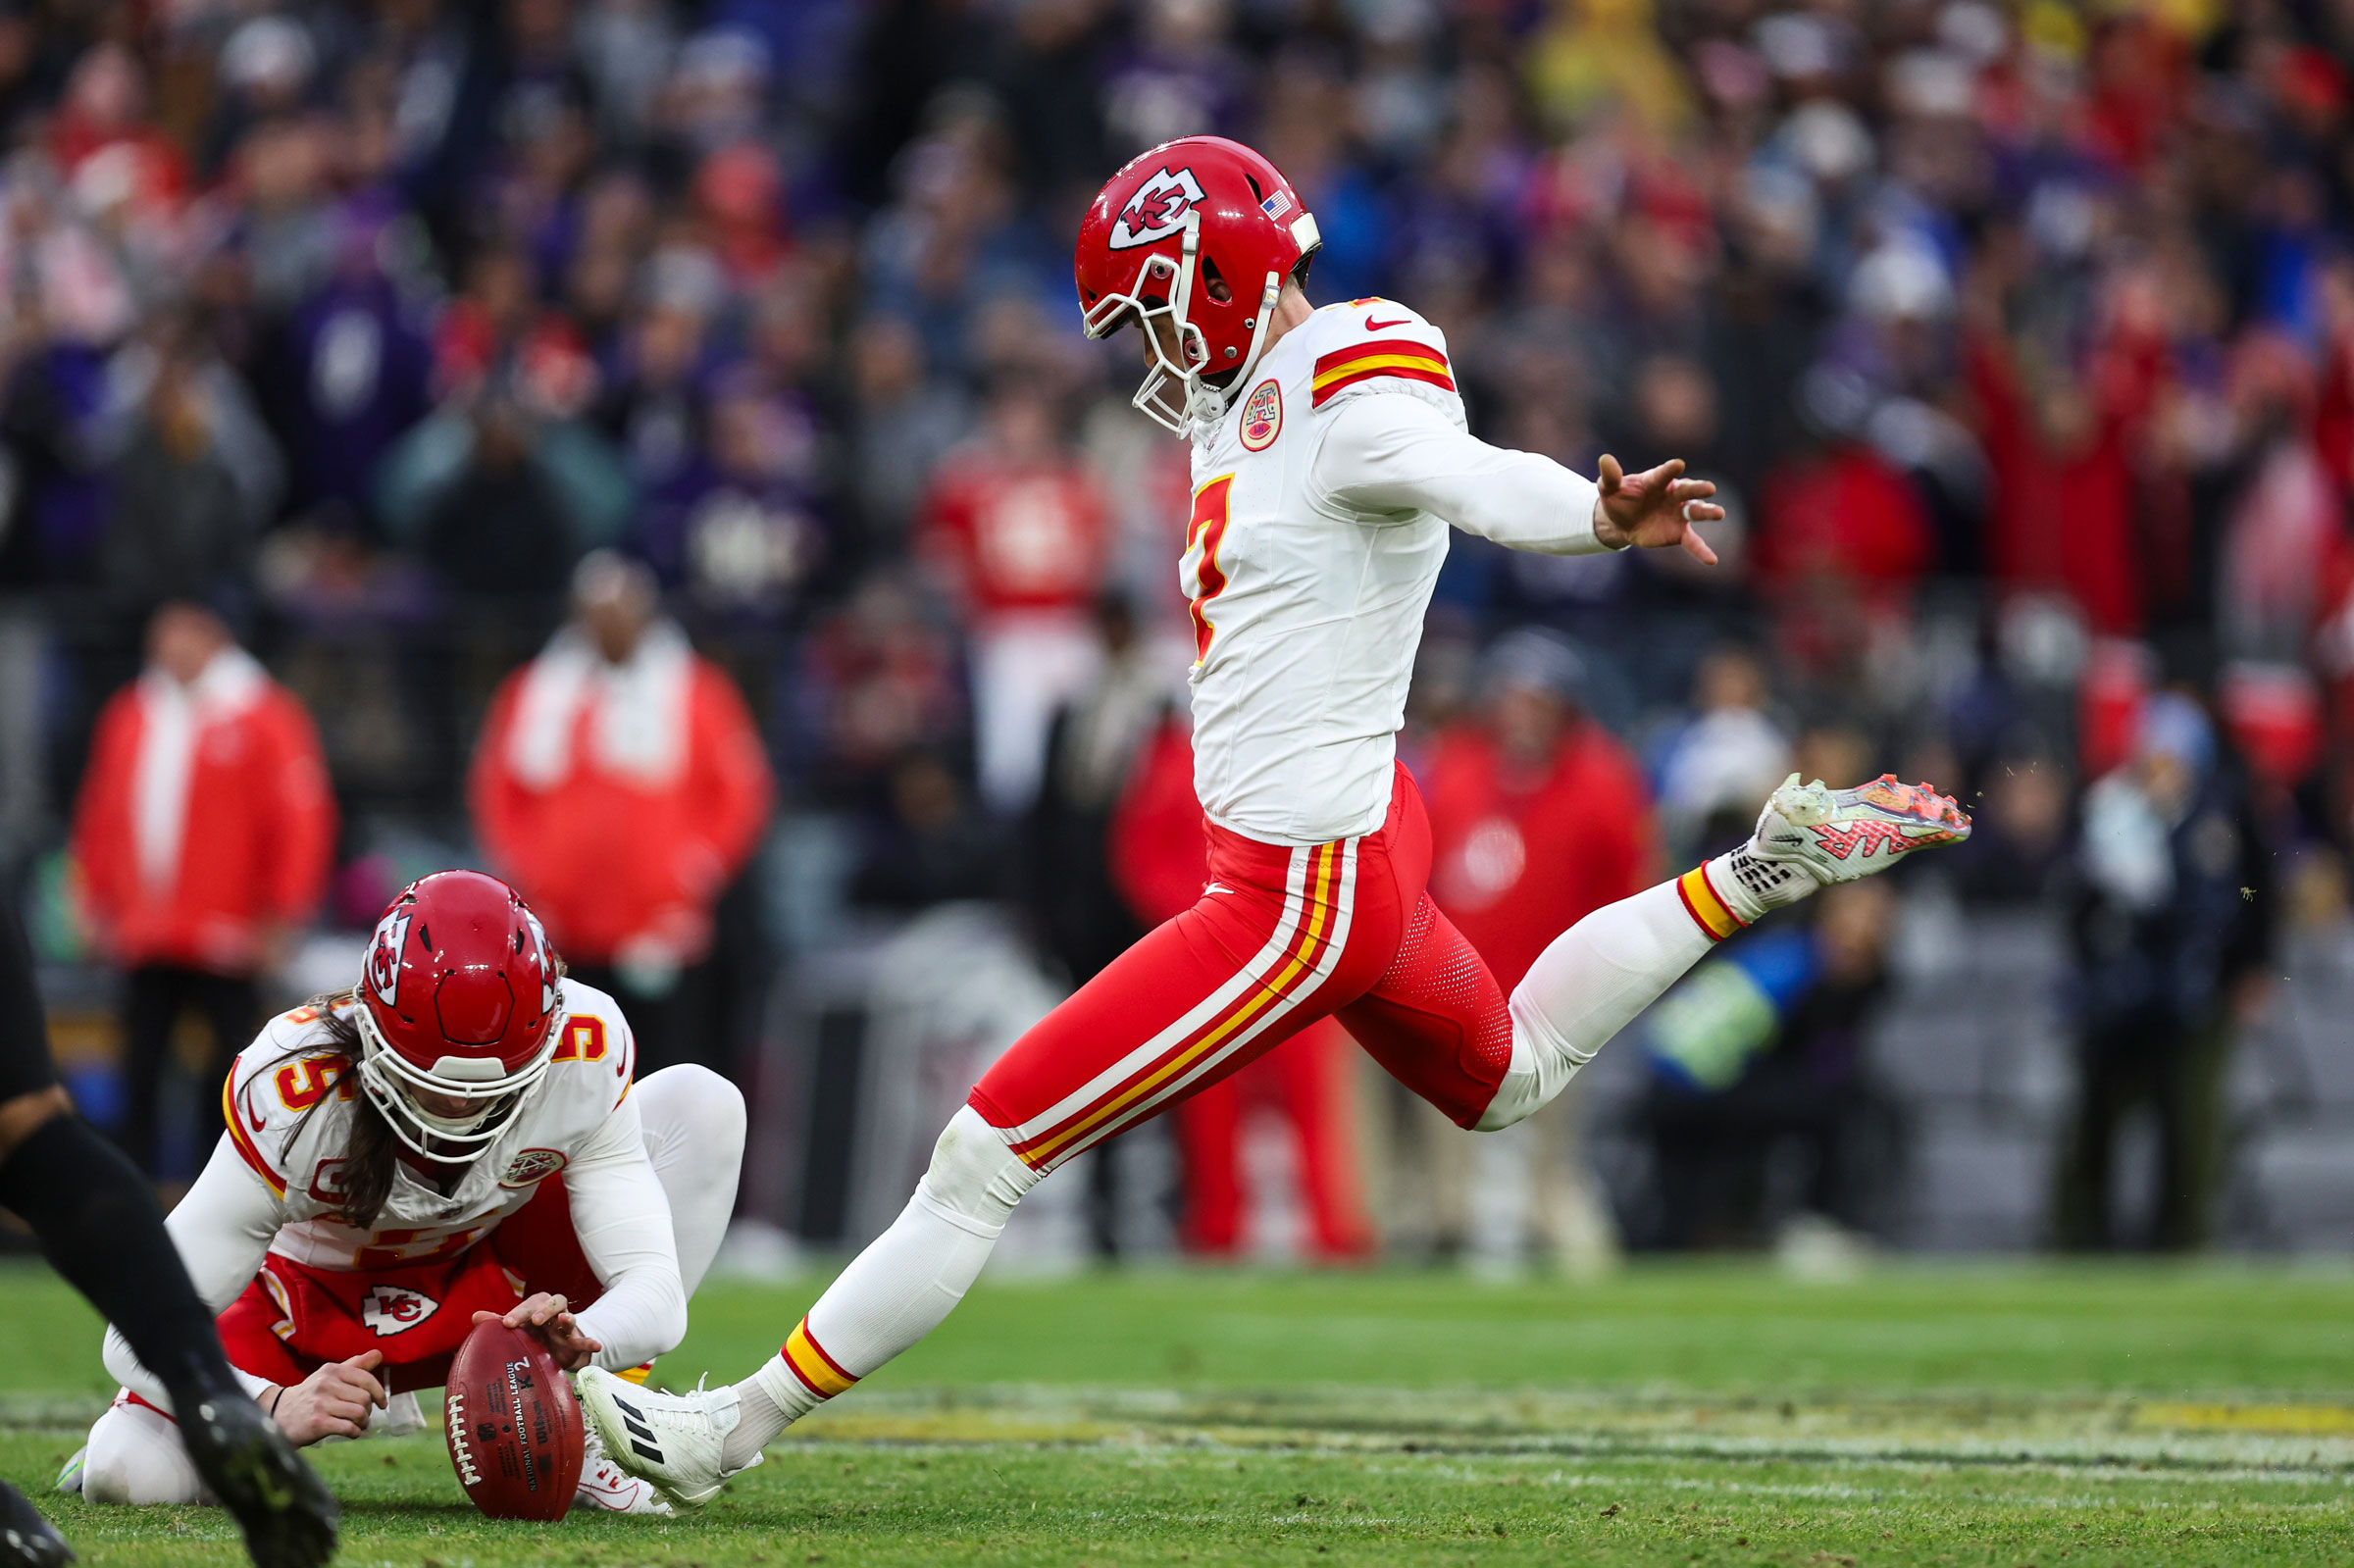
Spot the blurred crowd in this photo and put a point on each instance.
(651, 446)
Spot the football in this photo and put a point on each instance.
(512, 1425)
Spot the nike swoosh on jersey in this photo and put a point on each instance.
(1372, 326)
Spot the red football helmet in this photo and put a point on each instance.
(459, 1003)
(1192, 242)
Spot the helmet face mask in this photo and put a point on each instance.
(395, 1084)
(458, 1014)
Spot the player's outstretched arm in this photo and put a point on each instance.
(1398, 453)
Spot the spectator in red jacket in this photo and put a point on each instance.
(203, 836)
(1538, 817)
(620, 784)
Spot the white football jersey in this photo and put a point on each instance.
(290, 1101)
(1306, 615)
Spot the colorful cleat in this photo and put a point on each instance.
(672, 1439)
(1810, 835)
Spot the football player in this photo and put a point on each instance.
(456, 1139)
(1329, 458)
(99, 1224)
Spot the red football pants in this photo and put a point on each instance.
(293, 1318)
(1281, 938)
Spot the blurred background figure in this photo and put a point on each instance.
(621, 786)
(1016, 525)
(2174, 920)
(1718, 767)
(1764, 1124)
(1539, 816)
(203, 838)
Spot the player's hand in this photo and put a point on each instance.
(333, 1401)
(544, 1316)
(1654, 509)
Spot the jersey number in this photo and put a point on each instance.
(1208, 529)
(304, 1083)
(584, 1041)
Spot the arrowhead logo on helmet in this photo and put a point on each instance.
(384, 956)
(1157, 211)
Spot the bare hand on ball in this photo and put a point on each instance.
(1655, 508)
(544, 1317)
(333, 1401)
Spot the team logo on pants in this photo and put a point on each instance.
(392, 1309)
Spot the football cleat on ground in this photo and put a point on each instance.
(27, 1539)
(1809, 835)
(278, 1500)
(606, 1488)
(672, 1439)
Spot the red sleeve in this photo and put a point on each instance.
(732, 782)
(102, 835)
(303, 805)
(499, 805)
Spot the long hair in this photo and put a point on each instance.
(370, 1151)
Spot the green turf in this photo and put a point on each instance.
(1711, 1413)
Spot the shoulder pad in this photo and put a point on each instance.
(274, 1084)
(597, 1045)
(1368, 339)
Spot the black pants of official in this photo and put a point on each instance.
(2176, 1069)
(155, 999)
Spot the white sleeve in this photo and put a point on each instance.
(622, 1217)
(1395, 452)
(222, 1230)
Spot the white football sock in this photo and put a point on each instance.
(1587, 986)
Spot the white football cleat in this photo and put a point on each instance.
(68, 1479)
(609, 1488)
(672, 1439)
(1811, 837)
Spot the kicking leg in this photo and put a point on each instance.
(1431, 1023)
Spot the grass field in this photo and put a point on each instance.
(1674, 1415)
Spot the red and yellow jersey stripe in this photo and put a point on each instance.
(240, 1137)
(810, 1363)
(1705, 907)
(1401, 357)
(1299, 970)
